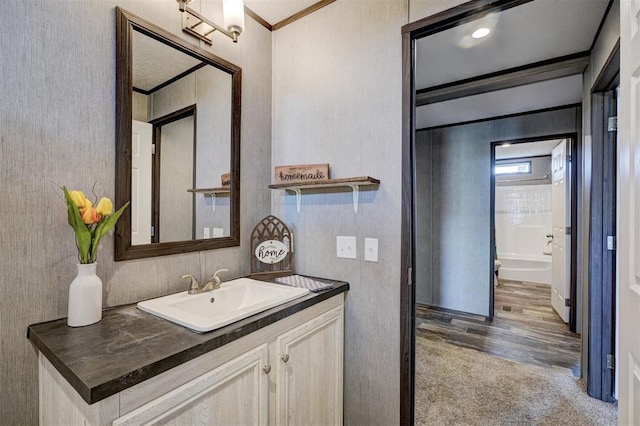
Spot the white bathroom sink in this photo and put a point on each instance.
(233, 301)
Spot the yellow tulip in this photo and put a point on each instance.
(79, 199)
(104, 206)
(89, 215)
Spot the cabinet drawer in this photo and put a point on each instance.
(236, 390)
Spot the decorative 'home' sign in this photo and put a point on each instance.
(302, 173)
(271, 248)
(272, 251)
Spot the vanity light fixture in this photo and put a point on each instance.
(202, 27)
(481, 32)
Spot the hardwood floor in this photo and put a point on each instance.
(525, 328)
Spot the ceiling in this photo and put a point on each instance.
(274, 11)
(148, 53)
(534, 31)
(525, 150)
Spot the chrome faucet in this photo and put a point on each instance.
(212, 283)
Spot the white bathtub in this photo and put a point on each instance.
(536, 269)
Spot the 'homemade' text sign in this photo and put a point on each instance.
(302, 173)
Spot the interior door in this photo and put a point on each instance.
(560, 219)
(628, 252)
(141, 142)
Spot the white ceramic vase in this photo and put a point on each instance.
(85, 297)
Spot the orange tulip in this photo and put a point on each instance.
(89, 215)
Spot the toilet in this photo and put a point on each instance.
(496, 266)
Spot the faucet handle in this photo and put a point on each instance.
(215, 274)
(194, 281)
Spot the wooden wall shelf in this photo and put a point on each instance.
(354, 183)
(213, 193)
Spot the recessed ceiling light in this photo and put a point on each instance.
(481, 32)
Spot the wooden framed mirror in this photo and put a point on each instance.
(177, 134)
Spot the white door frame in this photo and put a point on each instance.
(628, 208)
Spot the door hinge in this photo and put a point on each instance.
(153, 231)
(410, 278)
(568, 158)
(567, 302)
(612, 124)
(611, 362)
(567, 230)
(153, 148)
(611, 242)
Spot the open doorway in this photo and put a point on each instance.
(175, 146)
(449, 99)
(533, 202)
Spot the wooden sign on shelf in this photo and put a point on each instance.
(226, 179)
(302, 173)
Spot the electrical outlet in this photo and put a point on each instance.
(206, 232)
(346, 247)
(371, 249)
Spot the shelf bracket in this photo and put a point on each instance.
(213, 201)
(298, 192)
(356, 196)
(353, 183)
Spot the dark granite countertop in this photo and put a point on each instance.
(130, 346)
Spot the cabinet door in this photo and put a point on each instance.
(236, 393)
(309, 372)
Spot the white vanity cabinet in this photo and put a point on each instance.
(287, 373)
(309, 372)
(236, 390)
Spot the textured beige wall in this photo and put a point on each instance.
(337, 99)
(57, 125)
(140, 106)
(419, 9)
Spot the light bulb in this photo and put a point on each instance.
(234, 17)
(481, 33)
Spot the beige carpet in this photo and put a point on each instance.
(460, 386)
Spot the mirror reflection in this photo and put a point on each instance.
(183, 155)
(178, 136)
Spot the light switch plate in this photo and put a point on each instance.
(346, 247)
(218, 232)
(205, 232)
(371, 249)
